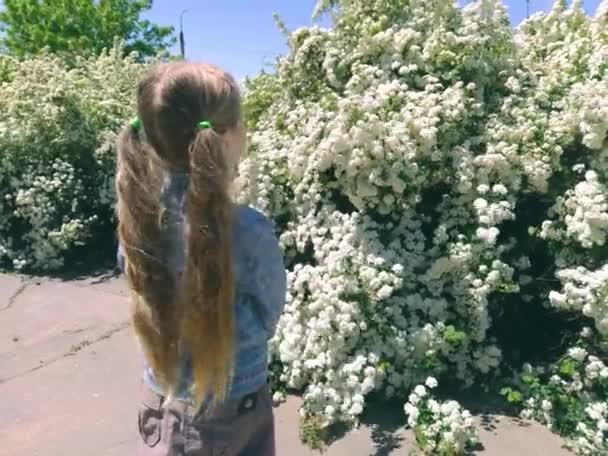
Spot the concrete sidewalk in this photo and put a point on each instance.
(69, 381)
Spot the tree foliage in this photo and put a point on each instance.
(80, 27)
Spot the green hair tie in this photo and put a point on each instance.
(203, 124)
(136, 123)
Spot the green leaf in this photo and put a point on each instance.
(514, 397)
(384, 365)
(454, 336)
(568, 367)
(528, 379)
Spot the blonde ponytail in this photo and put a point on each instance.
(209, 280)
(154, 312)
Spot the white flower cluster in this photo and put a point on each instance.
(410, 156)
(584, 212)
(440, 427)
(41, 194)
(593, 437)
(57, 137)
(586, 291)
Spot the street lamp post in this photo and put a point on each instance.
(182, 41)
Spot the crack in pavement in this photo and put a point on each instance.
(87, 343)
(72, 352)
(76, 331)
(16, 295)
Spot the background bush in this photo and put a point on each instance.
(57, 136)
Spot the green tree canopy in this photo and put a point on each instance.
(80, 27)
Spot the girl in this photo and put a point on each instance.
(207, 278)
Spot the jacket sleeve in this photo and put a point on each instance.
(120, 258)
(269, 280)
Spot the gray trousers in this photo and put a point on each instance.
(242, 427)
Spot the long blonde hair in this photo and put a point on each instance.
(198, 315)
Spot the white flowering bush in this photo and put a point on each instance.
(441, 428)
(430, 169)
(57, 136)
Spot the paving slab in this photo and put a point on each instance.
(43, 320)
(505, 436)
(83, 401)
(79, 405)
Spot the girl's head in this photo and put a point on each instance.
(190, 122)
(176, 97)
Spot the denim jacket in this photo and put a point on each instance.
(260, 289)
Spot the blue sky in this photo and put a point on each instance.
(240, 35)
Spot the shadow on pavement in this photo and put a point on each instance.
(386, 419)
